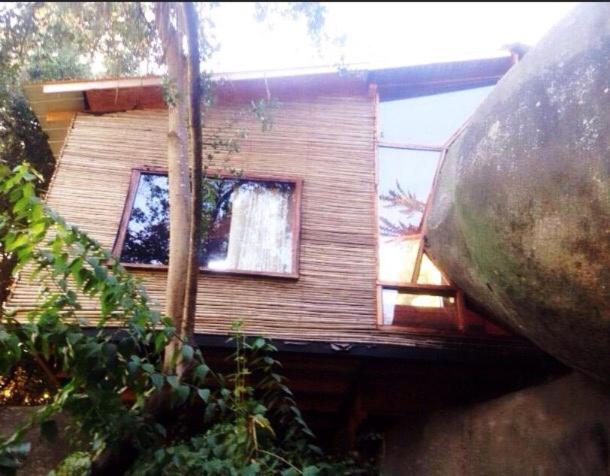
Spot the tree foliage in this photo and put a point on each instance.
(45, 41)
(408, 205)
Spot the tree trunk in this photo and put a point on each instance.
(178, 177)
(194, 93)
(181, 291)
(185, 213)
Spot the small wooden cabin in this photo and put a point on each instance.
(315, 226)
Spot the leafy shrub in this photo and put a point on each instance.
(112, 383)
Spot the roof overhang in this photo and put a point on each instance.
(54, 112)
(55, 103)
(400, 83)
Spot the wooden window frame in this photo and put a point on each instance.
(443, 290)
(296, 200)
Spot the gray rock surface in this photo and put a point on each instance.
(557, 429)
(521, 217)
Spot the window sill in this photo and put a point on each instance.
(417, 288)
(214, 272)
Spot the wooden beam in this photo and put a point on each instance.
(418, 260)
(401, 145)
(460, 311)
(431, 289)
(59, 116)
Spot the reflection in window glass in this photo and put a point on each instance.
(147, 236)
(397, 259)
(428, 119)
(417, 310)
(405, 179)
(428, 273)
(247, 224)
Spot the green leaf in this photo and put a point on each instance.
(182, 391)
(37, 211)
(133, 367)
(187, 352)
(149, 368)
(204, 393)
(209, 412)
(38, 228)
(19, 241)
(201, 372)
(251, 470)
(311, 471)
(11, 455)
(157, 380)
(21, 204)
(258, 343)
(155, 317)
(173, 380)
(76, 266)
(159, 341)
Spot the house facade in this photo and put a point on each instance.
(316, 227)
(315, 230)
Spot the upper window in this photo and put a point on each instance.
(428, 120)
(250, 224)
(412, 136)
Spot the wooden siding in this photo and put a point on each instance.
(327, 141)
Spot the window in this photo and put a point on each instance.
(250, 224)
(429, 119)
(413, 134)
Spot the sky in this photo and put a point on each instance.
(381, 34)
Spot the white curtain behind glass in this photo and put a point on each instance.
(260, 238)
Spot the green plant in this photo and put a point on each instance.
(258, 428)
(112, 379)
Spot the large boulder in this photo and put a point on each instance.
(561, 428)
(521, 216)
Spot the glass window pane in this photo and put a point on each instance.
(417, 310)
(428, 273)
(147, 236)
(428, 119)
(247, 225)
(405, 179)
(397, 259)
(251, 226)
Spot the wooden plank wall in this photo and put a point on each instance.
(328, 141)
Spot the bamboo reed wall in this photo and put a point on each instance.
(328, 141)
